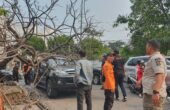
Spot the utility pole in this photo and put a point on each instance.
(81, 22)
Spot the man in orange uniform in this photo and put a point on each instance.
(26, 69)
(109, 83)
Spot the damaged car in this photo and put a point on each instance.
(57, 75)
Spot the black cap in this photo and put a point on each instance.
(109, 54)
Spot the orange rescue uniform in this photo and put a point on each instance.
(109, 83)
(27, 69)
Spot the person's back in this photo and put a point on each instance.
(16, 72)
(83, 79)
(86, 72)
(16, 68)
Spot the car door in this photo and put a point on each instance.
(168, 72)
(42, 75)
(130, 67)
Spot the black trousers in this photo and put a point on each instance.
(109, 100)
(27, 79)
(84, 91)
(119, 82)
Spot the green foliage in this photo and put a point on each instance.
(149, 19)
(126, 52)
(120, 19)
(94, 48)
(37, 42)
(3, 12)
(116, 45)
(65, 43)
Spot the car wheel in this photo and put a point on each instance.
(51, 92)
(96, 80)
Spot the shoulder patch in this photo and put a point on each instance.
(158, 61)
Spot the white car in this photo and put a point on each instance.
(131, 70)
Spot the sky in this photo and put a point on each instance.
(104, 13)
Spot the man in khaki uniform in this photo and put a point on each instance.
(153, 81)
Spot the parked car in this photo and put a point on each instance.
(5, 75)
(97, 74)
(131, 70)
(57, 75)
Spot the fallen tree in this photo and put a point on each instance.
(19, 25)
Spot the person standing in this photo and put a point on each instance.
(103, 62)
(83, 79)
(140, 69)
(118, 63)
(16, 72)
(26, 70)
(109, 82)
(153, 81)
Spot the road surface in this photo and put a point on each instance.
(67, 101)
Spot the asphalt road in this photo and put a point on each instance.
(67, 101)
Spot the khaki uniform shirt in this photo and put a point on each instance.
(156, 64)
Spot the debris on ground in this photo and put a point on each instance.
(15, 97)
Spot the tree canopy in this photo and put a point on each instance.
(116, 45)
(37, 42)
(94, 48)
(64, 42)
(149, 19)
(3, 12)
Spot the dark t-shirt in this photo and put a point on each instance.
(15, 69)
(118, 65)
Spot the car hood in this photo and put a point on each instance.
(5, 72)
(64, 72)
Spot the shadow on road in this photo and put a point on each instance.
(61, 95)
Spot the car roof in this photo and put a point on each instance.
(145, 57)
(139, 57)
(167, 56)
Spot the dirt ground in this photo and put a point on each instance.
(67, 101)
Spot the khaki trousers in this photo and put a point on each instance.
(148, 105)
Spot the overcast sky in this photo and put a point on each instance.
(106, 12)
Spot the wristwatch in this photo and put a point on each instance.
(155, 92)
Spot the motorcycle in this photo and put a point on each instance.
(132, 84)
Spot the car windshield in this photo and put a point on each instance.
(51, 63)
(133, 62)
